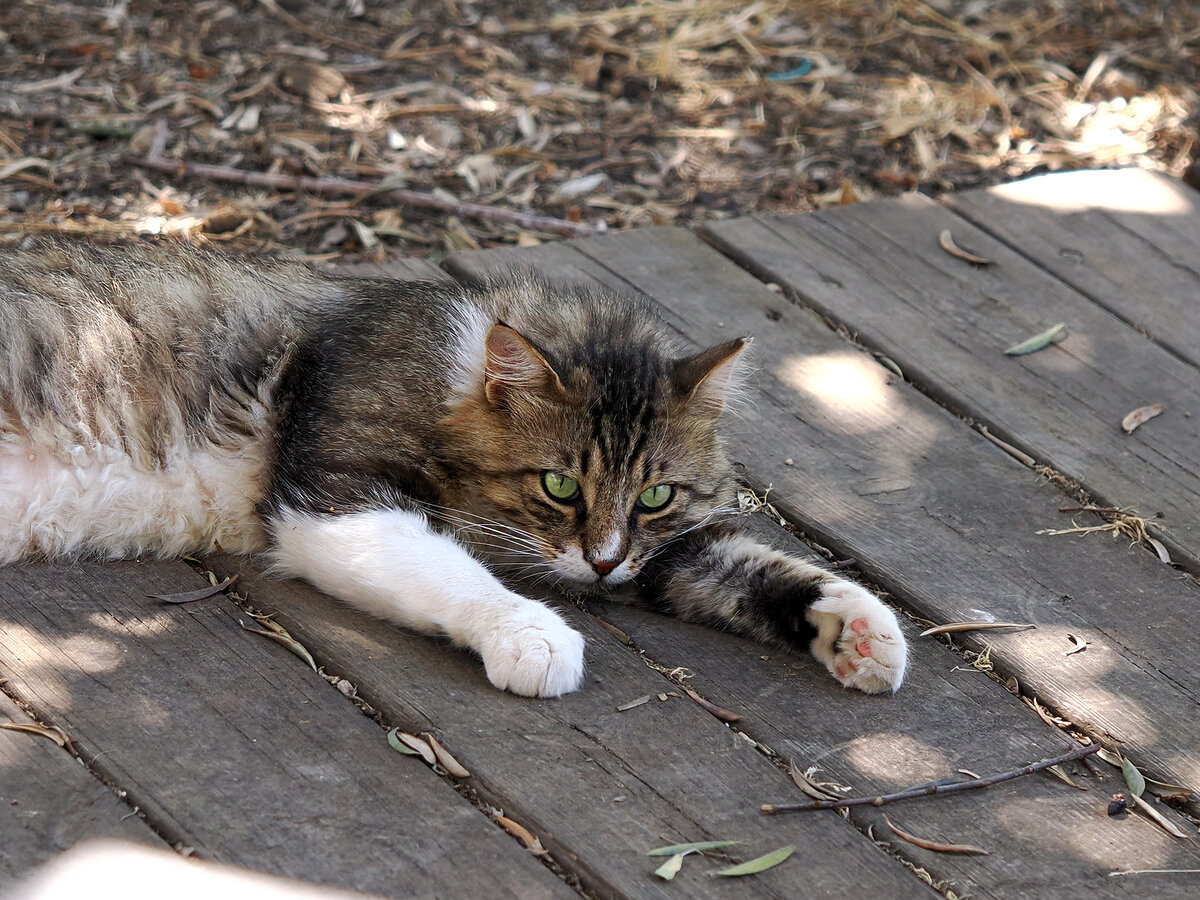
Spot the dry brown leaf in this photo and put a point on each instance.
(1078, 644)
(190, 596)
(1162, 821)
(53, 734)
(946, 242)
(412, 742)
(1161, 549)
(449, 763)
(954, 627)
(718, 712)
(1140, 416)
(522, 834)
(807, 785)
(937, 846)
(1061, 774)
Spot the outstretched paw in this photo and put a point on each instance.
(534, 654)
(858, 638)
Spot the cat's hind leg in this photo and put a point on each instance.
(391, 564)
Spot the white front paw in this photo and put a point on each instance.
(858, 638)
(534, 653)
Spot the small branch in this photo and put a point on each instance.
(932, 789)
(332, 185)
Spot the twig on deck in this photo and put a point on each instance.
(332, 185)
(932, 789)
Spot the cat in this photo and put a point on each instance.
(396, 444)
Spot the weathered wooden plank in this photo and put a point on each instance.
(49, 802)
(598, 787)
(942, 719)
(1129, 239)
(228, 744)
(878, 269)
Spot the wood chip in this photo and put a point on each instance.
(1140, 416)
(718, 712)
(946, 242)
(633, 704)
(200, 594)
(936, 846)
(1038, 341)
(448, 762)
(954, 627)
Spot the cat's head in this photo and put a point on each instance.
(589, 452)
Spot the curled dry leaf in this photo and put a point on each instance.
(937, 846)
(807, 785)
(1161, 549)
(521, 833)
(279, 635)
(1078, 644)
(448, 762)
(1140, 416)
(52, 734)
(671, 867)
(393, 739)
(718, 712)
(1162, 821)
(954, 627)
(1061, 774)
(190, 596)
(417, 745)
(760, 864)
(946, 242)
(1038, 341)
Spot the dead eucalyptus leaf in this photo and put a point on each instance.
(417, 745)
(671, 867)
(287, 640)
(946, 242)
(1140, 416)
(1160, 549)
(937, 846)
(759, 864)
(1037, 342)
(954, 627)
(695, 847)
(1061, 774)
(449, 763)
(632, 704)
(1113, 759)
(1078, 644)
(201, 594)
(521, 833)
(807, 785)
(1162, 821)
(393, 739)
(52, 734)
(1166, 791)
(718, 712)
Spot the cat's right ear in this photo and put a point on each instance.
(514, 370)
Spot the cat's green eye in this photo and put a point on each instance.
(560, 486)
(656, 497)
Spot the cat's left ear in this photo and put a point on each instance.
(706, 378)
(516, 371)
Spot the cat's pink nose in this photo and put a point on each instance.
(604, 566)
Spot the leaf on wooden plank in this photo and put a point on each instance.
(946, 242)
(1061, 774)
(414, 743)
(759, 864)
(1133, 778)
(807, 785)
(936, 846)
(53, 734)
(1078, 644)
(1037, 342)
(632, 704)
(955, 627)
(287, 640)
(1113, 759)
(890, 364)
(1168, 791)
(695, 847)
(393, 739)
(190, 596)
(522, 834)
(1162, 821)
(1140, 416)
(1161, 549)
(448, 762)
(613, 630)
(671, 867)
(718, 712)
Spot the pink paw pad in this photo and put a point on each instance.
(859, 626)
(863, 648)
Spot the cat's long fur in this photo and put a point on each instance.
(384, 440)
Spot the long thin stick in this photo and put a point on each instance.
(333, 185)
(930, 790)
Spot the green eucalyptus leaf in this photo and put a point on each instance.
(762, 863)
(1133, 778)
(697, 847)
(1037, 342)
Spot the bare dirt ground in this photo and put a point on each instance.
(660, 111)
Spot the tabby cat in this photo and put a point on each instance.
(395, 443)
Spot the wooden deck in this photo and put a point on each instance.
(224, 743)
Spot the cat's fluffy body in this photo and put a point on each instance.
(382, 439)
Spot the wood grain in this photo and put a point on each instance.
(231, 746)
